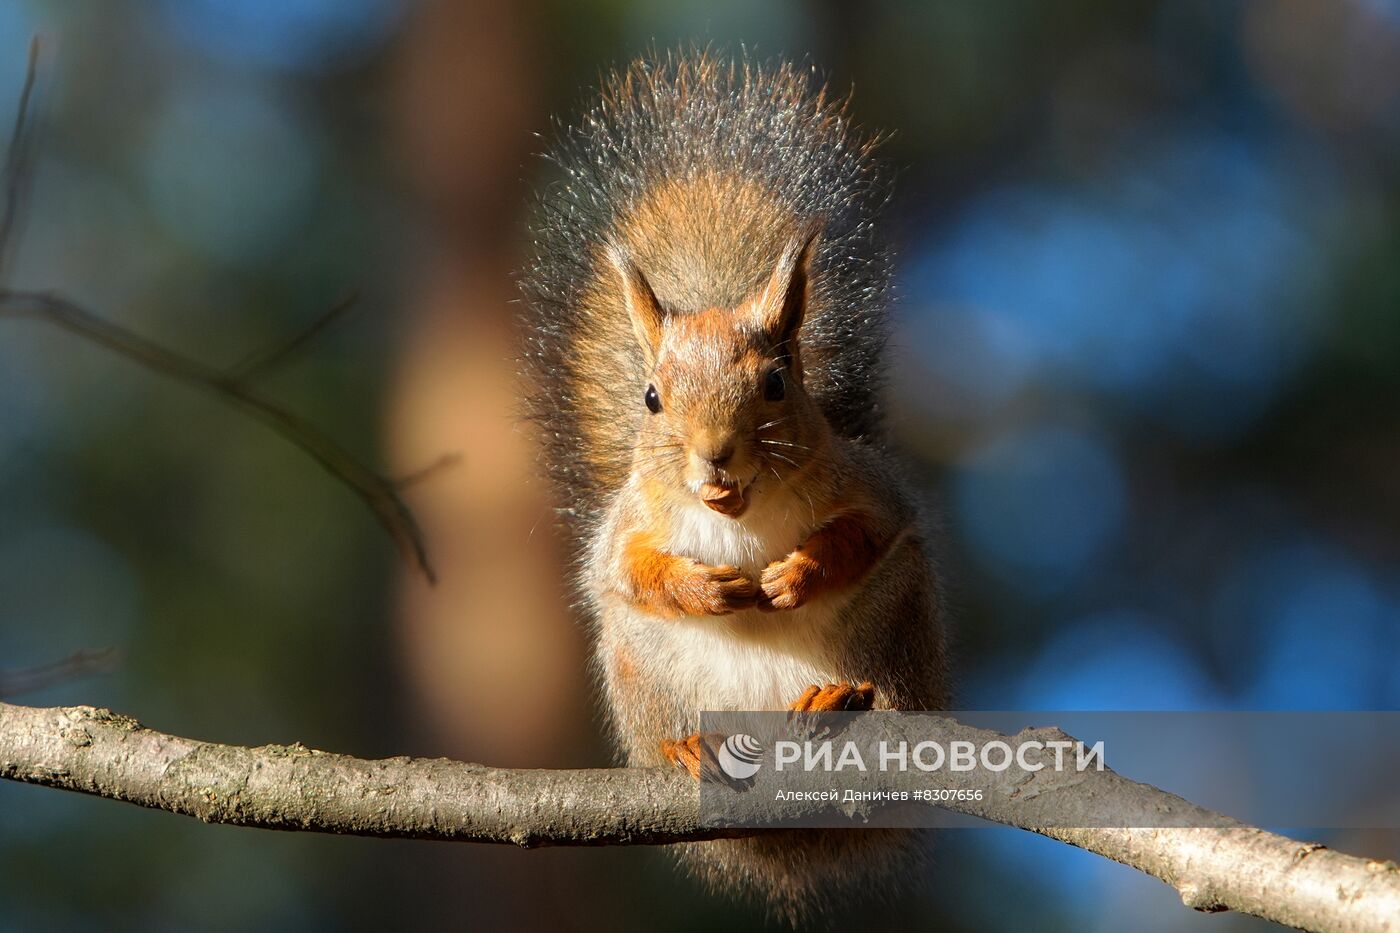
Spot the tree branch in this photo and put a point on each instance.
(379, 493)
(292, 787)
(95, 751)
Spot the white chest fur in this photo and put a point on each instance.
(750, 543)
(750, 659)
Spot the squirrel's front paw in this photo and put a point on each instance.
(788, 583)
(715, 591)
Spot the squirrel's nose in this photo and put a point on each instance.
(721, 456)
(715, 450)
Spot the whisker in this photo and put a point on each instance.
(777, 443)
(784, 459)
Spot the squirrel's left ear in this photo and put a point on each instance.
(783, 303)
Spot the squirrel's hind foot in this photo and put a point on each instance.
(690, 753)
(840, 697)
(696, 753)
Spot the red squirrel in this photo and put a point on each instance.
(706, 330)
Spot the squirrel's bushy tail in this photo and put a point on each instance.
(702, 167)
(798, 873)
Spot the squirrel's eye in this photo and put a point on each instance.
(653, 400)
(774, 388)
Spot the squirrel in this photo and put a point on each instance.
(705, 340)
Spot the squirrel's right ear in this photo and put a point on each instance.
(642, 306)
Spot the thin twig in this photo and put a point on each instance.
(374, 490)
(258, 363)
(41, 676)
(16, 158)
(445, 462)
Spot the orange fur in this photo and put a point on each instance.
(672, 220)
(668, 585)
(838, 555)
(624, 666)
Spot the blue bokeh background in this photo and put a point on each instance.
(1147, 370)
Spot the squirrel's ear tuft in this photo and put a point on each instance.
(783, 303)
(642, 306)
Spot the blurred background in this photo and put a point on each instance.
(1148, 371)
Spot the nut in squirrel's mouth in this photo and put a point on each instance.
(725, 498)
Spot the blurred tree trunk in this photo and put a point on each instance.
(495, 664)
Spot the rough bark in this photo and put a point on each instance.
(1229, 866)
